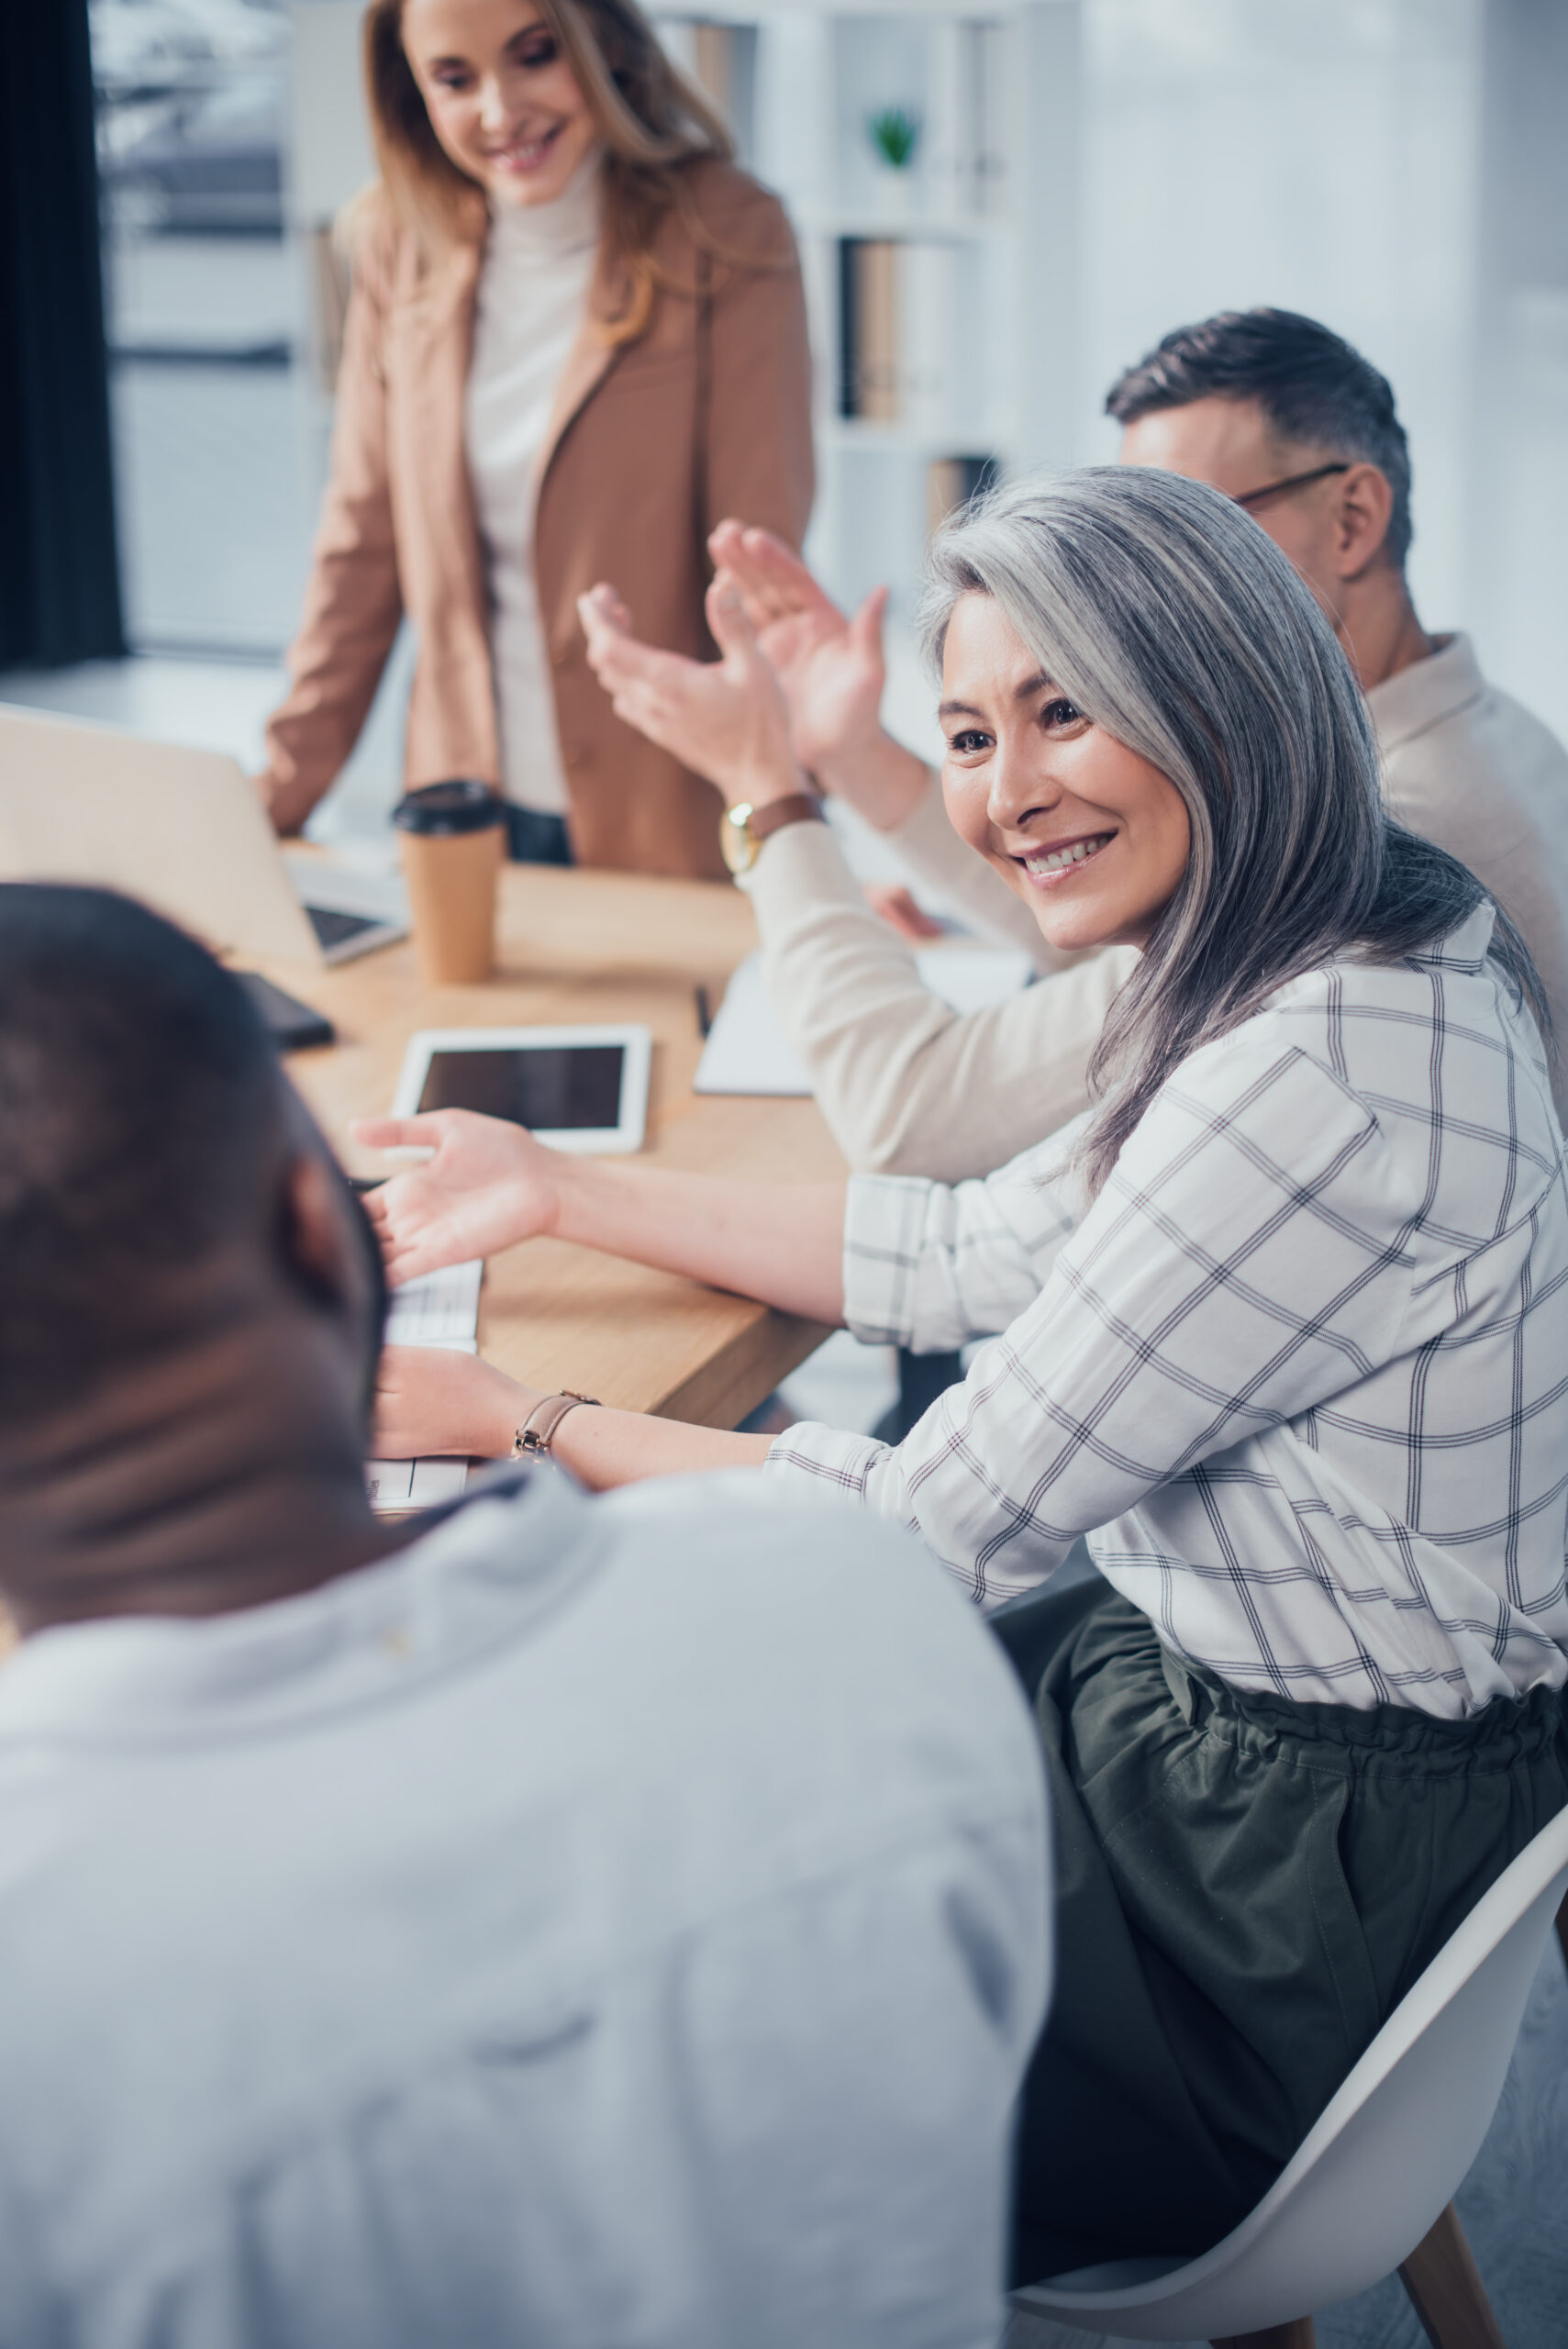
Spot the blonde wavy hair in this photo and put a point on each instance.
(653, 123)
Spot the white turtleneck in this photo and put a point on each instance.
(533, 289)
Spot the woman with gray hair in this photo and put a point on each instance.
(1277, 1326)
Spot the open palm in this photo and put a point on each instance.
(726, 719)
(831, 669)
(488, 1184)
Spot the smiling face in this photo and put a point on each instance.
(1093, 838)
(502, 98)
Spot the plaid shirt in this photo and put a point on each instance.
(1301, 1371)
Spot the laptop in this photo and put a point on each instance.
(185, 831)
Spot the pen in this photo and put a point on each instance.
(705, 1017)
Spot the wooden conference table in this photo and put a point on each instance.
(592, 947)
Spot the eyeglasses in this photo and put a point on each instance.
(1251, 497)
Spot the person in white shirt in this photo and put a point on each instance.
(1295, 426)
(559, 1919)
(1276, 1328)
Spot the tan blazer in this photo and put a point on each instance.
(708, 413)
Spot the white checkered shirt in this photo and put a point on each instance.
(1300, 1373)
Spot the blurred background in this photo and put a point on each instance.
(999, 208)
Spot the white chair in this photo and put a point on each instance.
(1376, 2175)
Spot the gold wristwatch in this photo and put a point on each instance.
(742, 828)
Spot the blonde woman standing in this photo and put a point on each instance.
(576, 340)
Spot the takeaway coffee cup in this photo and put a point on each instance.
(451, 837)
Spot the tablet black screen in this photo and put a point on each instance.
(555, 1088)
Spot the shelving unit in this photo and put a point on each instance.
(981, 220)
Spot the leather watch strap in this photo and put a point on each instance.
(797, 807)
(538, 1430)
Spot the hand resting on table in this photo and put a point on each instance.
(431, 1400)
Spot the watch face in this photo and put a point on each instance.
(736, 844)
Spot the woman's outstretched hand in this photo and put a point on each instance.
(725, 717)
(488, 1184)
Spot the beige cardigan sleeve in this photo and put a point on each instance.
(907, 1085)
(353, 602)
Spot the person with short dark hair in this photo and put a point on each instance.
(553, 1920)
(1290, 420)
(1282, 415)
(1308, 389)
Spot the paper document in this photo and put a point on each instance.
(971, 978)
(440, 1309)
(747, 1051)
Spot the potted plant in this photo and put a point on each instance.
(895, 134)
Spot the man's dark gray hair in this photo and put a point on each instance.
(1313, 386)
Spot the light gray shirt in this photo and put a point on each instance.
(606, 1922)
(910, 1086)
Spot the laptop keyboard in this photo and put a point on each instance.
(333, 926)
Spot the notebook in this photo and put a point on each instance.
(747, 1051)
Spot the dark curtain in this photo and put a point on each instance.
(60, 598)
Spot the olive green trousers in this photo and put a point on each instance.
(1245, 1889)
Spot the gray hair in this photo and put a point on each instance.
(1172, 621)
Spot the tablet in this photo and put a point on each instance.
(576, 1088)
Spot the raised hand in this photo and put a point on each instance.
(831, 669)
(726, 718)
(488, 1184)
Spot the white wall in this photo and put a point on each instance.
(1517, 472)
(1322, 155)
(1398, 169)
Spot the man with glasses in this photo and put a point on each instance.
(1297, 426)
(1284, 417)
(1293, 424)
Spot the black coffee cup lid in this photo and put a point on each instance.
(448, 808)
